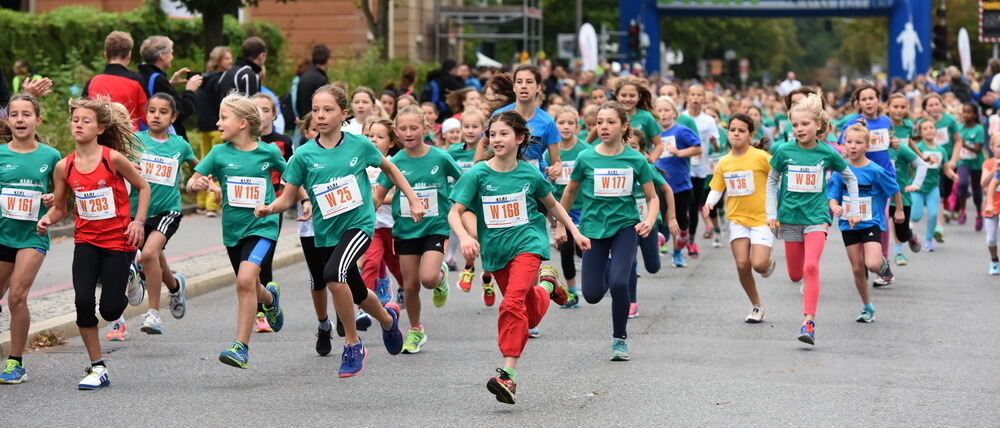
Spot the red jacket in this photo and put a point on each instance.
(122, 86)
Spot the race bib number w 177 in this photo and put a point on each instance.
(612, 182)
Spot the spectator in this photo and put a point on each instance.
(471, 81)
(407, 82)
(550, 83)
(789, 84)
(158, 54)
(22, 72)
(312, 79)
(117, 82)
(219, 60)
(244, 76)
(440, 82)
(4, 92)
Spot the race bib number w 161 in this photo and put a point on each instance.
(20, 204)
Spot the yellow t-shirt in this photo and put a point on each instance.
(744, 179)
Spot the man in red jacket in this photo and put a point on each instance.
(117, 81)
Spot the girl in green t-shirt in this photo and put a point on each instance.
(946, 136)
(796, 199)
(464, 155)
(633, 94)
(968, 158)
(604, 177)
(929, 194)
(160, 162)
(569, 148)
(503, 195)
(22, 248)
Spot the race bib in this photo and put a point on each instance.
(95, 204)
(373, 173)
(20, 204)
(338, 196)
(966, 154)
(696, 160)
(941, 136)
(428, 198)
(933, 160)
(245, 192)
(864, 207)
(805, 179)
(159, 170)
(565, 172)
(879, 140)
(465, 165)
(612, 182)
(505, 211)
(739, 183)
(713, 162)
(642, 206)
(668, 142)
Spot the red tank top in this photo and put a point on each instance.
(102, 204)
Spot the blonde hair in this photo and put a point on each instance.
(859, 128)
(244, 109)
(153, 46)
(115, 120)
(813, 105)
(118, 45)
(590, 110)
(670, 102)
(557, 110)
(215, 58)
(474, 114)
(412, 109)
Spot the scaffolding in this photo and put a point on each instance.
(486, 17)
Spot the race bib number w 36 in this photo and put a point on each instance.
(739, 183)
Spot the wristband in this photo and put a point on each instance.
(141, 223)
(304, 201)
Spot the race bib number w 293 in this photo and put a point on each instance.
(95, 204)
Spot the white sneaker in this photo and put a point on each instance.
(178, 302)
(715, 242)
(756, 315)
(152, 324)
(136, 290)
(96, 378)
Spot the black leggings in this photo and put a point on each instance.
(967, 176)
(682, 200)
(567, 254)
(314, 261)
(244, 251)
(903, 232)
(92, 264)
(697, 200)
(342, 262)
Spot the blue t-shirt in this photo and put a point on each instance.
(543, 134)
(875, 187)
(878, 147)
(678, 169)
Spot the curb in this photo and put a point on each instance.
(65, 327)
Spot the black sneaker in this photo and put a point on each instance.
(323, 346)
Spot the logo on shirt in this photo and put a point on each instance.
(354, 161)
(265, 166)
(434, 170)
(231, 165)
(491, 188)
(9, 167)
(102, 184)
(316, 166)
(44, 168)
(177, 155)
(526, 188)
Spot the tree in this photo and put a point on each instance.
(378, 23)
(212, 12)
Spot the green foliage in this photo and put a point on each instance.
(372, 71)
(771, 45)
(67, 46)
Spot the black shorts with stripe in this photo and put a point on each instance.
(165, 223)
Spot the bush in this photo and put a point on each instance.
(67, 46)
(371, 71)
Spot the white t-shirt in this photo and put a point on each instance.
(353, 126)
(707, 129)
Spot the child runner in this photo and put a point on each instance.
(742, 174)
(680, 144)
(927, 196)
(796, 199)
(159, 162)
(504, 194)
(633, 93)
(946, 136)
(708, 132)
(604, 176)
(284, 144)
(380, 255)
(464, 154)
(244, 164)
(344, 217)
(649, 245)
(570, 146)
(363, 107)
(26, 167)
(905, 160)
(451, 133)
(420, 246)
(105, 235)
(863, 239)
(992, 207)
(970, 158)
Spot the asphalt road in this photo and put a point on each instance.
(929, 359)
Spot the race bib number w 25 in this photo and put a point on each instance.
(338, 196)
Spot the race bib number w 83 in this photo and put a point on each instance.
(805, 179)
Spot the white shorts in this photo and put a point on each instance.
(758, 235)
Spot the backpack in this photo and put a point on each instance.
(431, 92)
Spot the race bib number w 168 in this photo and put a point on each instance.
(612, 182)
(338, 196)
(805, 179)
(503, 211)
(20, 204)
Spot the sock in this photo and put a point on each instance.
(417, 327)
(487, 277)
(995, 259)
(548, 286)
(470, 266)
(174, 290)
(899, 248)
(98, 363)
(18, 359)
(324, 324)
(512, 373)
